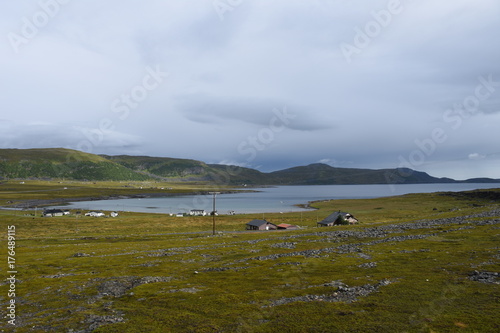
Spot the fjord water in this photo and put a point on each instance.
(269, 199)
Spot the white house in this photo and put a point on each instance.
(197, 212)
(53, 212)
(95, 214)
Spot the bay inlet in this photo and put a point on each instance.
(266, 200)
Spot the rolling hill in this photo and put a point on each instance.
(323, 174)
(71, 164)
(61, 163)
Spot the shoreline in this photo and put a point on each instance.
(480, 193)
(40, 203)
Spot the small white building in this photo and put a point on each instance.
(53, 212)
(95, 214)
(197, 212)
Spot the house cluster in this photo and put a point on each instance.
(337, 218)
(61, 212)
(194, 212)
(201, 212)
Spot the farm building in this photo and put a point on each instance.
(95, 214)
(286, 226)
(197, 212)
(53, 212)
(261, 225)
(337, 218)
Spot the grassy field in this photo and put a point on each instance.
(415, 263)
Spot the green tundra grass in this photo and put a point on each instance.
(156, 273)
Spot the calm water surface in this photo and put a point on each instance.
(271, 199)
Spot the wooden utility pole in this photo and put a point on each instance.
(213, 211)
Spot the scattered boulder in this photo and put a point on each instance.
(285, 245)
(191, 290)
(118, 287)
(343, 293)
(57, 276)
(485, 277)
(368, 265)
(95, 321)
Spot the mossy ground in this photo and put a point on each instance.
(85, 273)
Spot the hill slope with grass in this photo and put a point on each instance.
(323, 174)
(176, 169)
(71, 164)
(61, 163)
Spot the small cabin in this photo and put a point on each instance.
(260, 225)
(338, 218)
(53, 212)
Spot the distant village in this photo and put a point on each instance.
(334, 219)
(66, 212)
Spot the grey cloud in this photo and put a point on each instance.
(52, 135)
(258, 112)
(227, 76)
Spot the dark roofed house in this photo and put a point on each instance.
(337, 218)
(261, 225)
(53, 212)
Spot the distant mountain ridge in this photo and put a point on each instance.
(57, 163)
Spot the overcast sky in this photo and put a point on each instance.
(267, 84)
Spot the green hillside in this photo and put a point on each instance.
(71, 164)
(165, 167)
(176, 169)
(61, 163)
(316, 174)
(231, 174)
